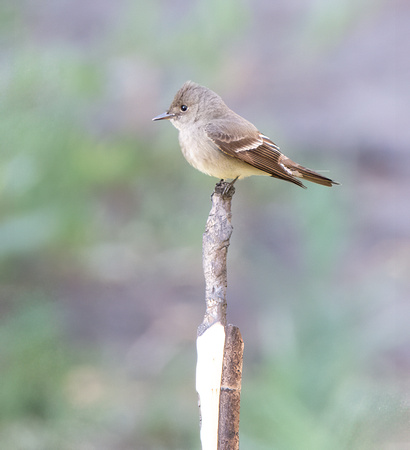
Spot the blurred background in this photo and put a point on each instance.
(101, 222)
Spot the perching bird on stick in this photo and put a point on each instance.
(221, 143)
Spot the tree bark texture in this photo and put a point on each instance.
(230, 396)
(214, 251)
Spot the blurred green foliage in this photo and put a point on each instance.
(33, 360)
(49, 170)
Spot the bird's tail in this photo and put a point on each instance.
(307, 174)
(314, 177)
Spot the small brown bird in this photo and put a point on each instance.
(220, 143)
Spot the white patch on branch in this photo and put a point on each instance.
(210, 350)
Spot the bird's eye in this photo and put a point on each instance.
(184, 107)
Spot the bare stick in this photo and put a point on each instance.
(214, 250)
(219, 347)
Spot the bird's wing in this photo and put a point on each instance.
(252, 147)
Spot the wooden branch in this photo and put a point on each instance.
(219, 347)
(215, 245)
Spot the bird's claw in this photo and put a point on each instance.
(225, 188)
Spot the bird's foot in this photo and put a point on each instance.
(225, 188)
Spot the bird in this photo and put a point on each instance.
(221, 143)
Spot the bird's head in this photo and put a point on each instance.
(190, 104)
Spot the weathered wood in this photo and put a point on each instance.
(219, 347)
(215, 245)
(230, 396)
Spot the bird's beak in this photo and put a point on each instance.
(165, 115)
